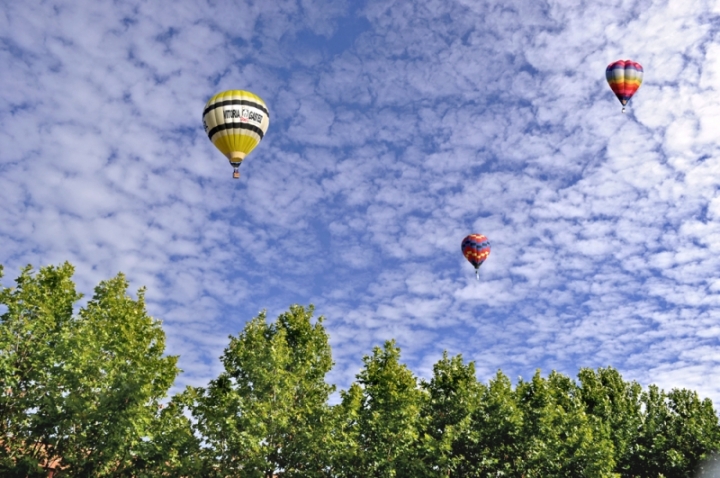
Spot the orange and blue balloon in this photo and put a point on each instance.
(624, 78)
(476, 248)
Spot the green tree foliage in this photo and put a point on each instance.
(268, 412)
(654, 433)
(559, 438)
(540, 429)
(678, 432)
(497, 440)
(347, 457)
(447, 444)
(170, 448)
(83, 391)
(385, 405)
(617, 404)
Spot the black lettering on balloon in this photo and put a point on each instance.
(243, 115)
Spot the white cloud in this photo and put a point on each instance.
(438, 119)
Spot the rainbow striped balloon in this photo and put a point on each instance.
(476, 248)
(624, 78)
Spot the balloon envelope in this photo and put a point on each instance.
(624, 78)
(476, 248)
(236, 121)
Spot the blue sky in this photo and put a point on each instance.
(397, 128)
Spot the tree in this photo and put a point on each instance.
(496, 444)
(617, 404)
(347, 456)
(654, 433)
(79, 393)
(171, 449)
(447, 437)
(267, 413)
(677, 433)
(83, 394)
(385, 404)
(558, 438)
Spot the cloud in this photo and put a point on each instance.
(396, 129)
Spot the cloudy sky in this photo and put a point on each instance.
(397, 128)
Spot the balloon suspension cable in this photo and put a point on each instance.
(236, 172)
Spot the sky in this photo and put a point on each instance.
(396, 129)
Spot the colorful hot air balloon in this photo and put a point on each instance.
(624, 78)
(476, 249)
(236, 121)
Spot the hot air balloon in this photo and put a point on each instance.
(624, 78)
(476, 249)
(236, 121)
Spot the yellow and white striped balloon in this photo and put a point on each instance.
(236, 121)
